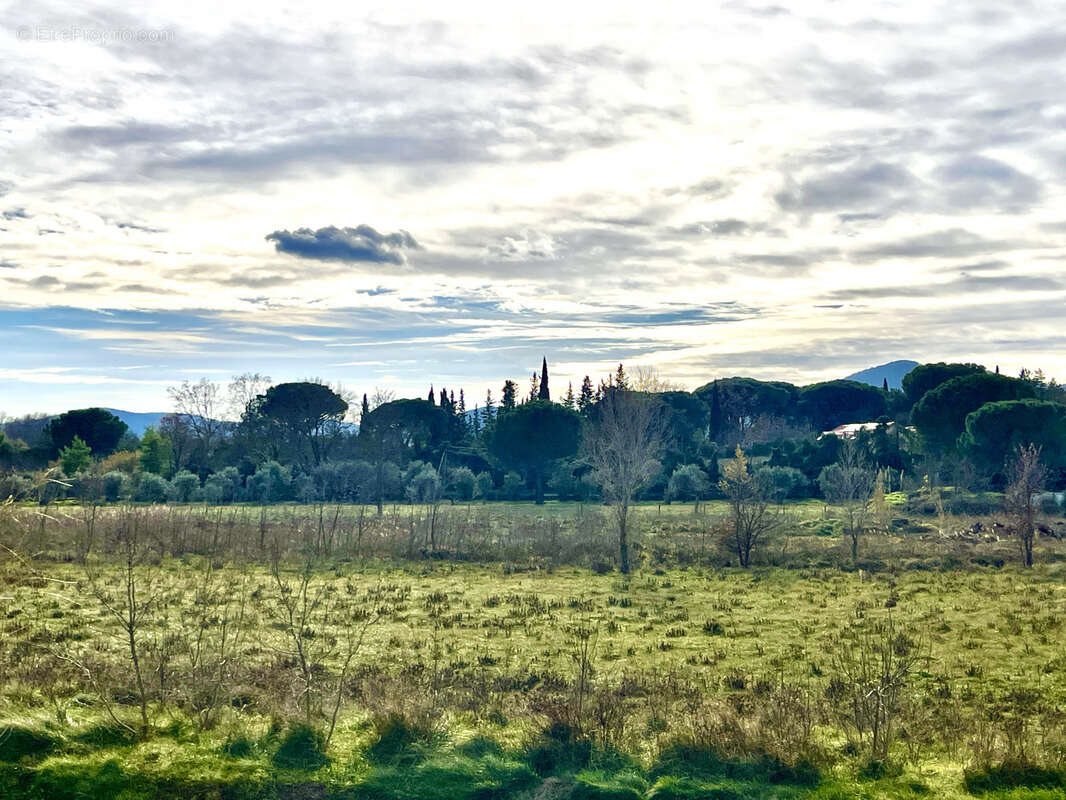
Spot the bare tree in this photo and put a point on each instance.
(751, 515)
(622, 448)
(130, 592)
(849, 484)
(242, 390)
(304, 608)
(200, 406)
(648, 379)
(873, 664)
(1026, 477)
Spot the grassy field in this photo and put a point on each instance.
(530, 670)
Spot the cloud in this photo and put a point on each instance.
(948, 243)
(964, 286)
(977, 181)
(864, 186)
(361, 243)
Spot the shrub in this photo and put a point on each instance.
(395, 736)
(461, 483)
(116, 485)
(302, 748)
(152, 489)
(183, 485)
(19, 740)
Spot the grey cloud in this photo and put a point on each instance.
(965, 285)
(977, 181)
(871, 185)
(362, 243)
(950, 243)
(15, 213)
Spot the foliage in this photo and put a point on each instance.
(75, 457)
(99, 429)
(152, 488)
(157, 453)
(834, 403)
(926, 377)
(995, 430)
(532, 436)
(303, 747)
(940, 416)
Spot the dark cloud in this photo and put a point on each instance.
(15, 213)
(869, 186)
(361, 243)
(950, 243)
(968, 284)
(977, 181)
(133, 226)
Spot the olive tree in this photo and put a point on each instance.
(849, 484)
(1026, 476)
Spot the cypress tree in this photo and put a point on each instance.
(366, 407)
(432, 398)
(884, 386)
(587, 398)
(510, 393)
(543, 394)
(716, 410)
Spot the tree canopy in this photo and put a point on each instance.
(926, 377)
(96, 427)
(532, 436)
(305, 414)
(995, 430)
(940, 416)
(834, 403)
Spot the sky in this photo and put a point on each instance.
(389, 196)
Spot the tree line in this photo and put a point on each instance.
(309, 441)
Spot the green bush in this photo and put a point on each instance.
(1013, 776)
(302, 748)
(20, 740)
(395, 737)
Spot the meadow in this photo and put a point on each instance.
(478, 651)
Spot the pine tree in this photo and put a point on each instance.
(534, 387)
(587, 398)
(75, 457)
(490, 406)
(569, 401)
(620, 379)
(543, 393)
(475, 421)
(716, 410)
(462, 403)
(510, 394)
(444, 399)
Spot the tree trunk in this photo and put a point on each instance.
(623, 539)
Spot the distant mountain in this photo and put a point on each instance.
(137, 421)
(893, 370)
